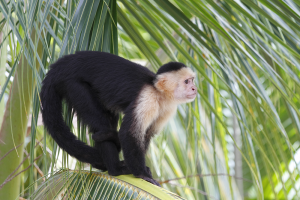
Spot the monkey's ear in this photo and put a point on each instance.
(160, 84)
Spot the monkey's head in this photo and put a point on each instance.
(176, 81)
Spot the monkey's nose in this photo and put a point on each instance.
(194, 88)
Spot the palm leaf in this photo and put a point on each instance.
(95, 185)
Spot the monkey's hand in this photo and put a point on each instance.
(148, 177)
(148, 171)
(150, 180)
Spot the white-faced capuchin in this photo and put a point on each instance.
(99, 86)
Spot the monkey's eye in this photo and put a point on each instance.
(186, 81)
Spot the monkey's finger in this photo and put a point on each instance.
(151, 180)
(156, 183)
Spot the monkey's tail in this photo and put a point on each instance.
(60, 132)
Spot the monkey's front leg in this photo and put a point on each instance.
(134, 153)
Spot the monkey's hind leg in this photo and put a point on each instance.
(109, 140)
(110, 135)
(100, 121)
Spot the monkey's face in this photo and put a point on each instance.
(179, 85)
(186, 90)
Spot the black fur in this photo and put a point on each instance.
(97, 86)
(171, 66)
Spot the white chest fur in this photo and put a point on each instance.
(152, 110)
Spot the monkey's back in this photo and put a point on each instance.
(114, 80)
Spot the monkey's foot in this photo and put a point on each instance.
(121, 169)
(150, 180)
(100, 166)
(125, 170)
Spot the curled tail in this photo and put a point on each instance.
(60, 132)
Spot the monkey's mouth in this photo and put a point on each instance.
(191, 96)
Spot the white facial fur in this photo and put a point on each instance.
(177, 85)
(186, 90)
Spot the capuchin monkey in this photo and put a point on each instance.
(99, 86)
